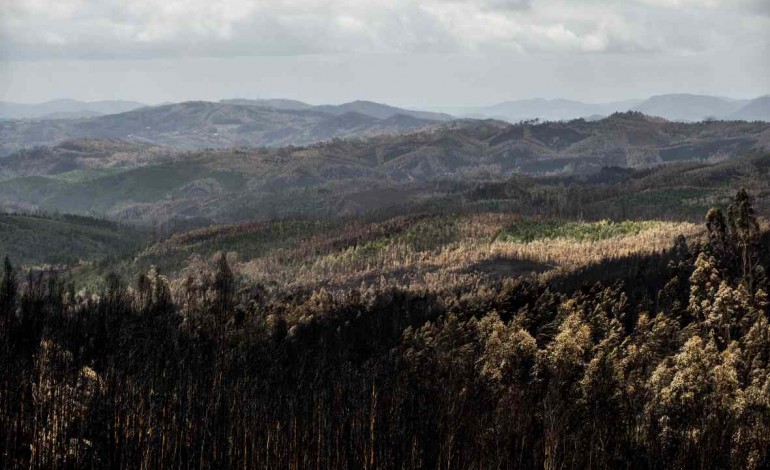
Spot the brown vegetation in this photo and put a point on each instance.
(665, 363)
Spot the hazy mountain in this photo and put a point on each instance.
(281, 104)
(65, 109)
(199, 124)
(755, 110)
(366, 108)
(380, 111)
(550, 110)
(143, 183)
(686, 107)
(673, 107)
(71, 115)
(555, 110)
(542, 109)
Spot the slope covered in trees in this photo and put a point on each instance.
(658, 359)
(641, 160)
(65, 239)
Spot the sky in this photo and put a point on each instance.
(404, 52)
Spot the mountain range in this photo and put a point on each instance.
(673, 107)
(367, 108)
(278, 122)
(72, 109)
(240, 123)
(144, 183)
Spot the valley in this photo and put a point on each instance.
(384, 235)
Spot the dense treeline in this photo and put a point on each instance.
(653, 370)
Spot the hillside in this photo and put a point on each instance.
(543, 109)
(65, 239)
(417, 249)
(195, 125)
(478, 225)
(409, 335)
(380, 111)
(283, 104)
(416, 232)
(673, 107)
(676, 192)
(147, 184)
(366, 108)
(412, 295)
(755, 110)
(688, 107)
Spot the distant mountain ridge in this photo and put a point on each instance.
(279, 122)
(65, 109)
(367, 108)
(204, 124)
(688, 107)
(543, 109)
(381, 111)
(755, 110)
(282, 104)
(673, 107)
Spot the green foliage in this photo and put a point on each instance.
(464, 167)
(530, 230)
(33, 240)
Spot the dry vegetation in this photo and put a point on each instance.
(662, 360)
(434, 250)
(406, 301)
(419, 251)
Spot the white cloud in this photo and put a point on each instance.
(220, 28)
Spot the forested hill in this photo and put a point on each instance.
(148, 184)
(202, 124)
(662, 363)
(44, 240)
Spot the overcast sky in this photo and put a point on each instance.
(405, 52)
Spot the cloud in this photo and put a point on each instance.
(43, 29)
(500, 5)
